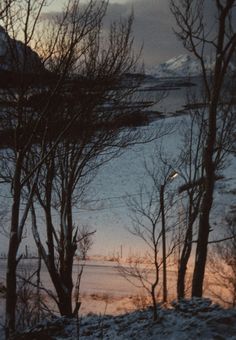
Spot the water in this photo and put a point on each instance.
(99, 277)
(106, 210)
(101, 286)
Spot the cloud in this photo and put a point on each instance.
(153, 27)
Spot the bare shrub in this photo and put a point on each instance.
(141, 301)
(31, 307)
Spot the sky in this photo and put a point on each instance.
(153, 27)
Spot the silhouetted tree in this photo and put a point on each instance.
(199, 39)
(190, 170)
(25, 105)
(63, 116)
(103, 111)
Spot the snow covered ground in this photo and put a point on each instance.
(196, 319)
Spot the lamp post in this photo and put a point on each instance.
(163, 231)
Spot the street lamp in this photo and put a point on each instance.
(173, 175)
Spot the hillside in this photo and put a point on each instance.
(180, 66)
(15, 58)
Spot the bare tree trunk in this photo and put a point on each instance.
(183, 265)
(209, 166)
(202, 243)
(70, 249)
(155, 283)
(62, 280)
(11, 297)
(186, 252)
(64, 295)
(154, 304)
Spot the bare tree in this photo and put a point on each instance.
(97, 135)
(222, 265)
(72, 94)
(23, 114)
(31, 302)
(200, 39)
(85, 241)
(150, 221)
(190, 171)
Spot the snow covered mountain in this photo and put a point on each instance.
(181, 66)
(13, 55)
